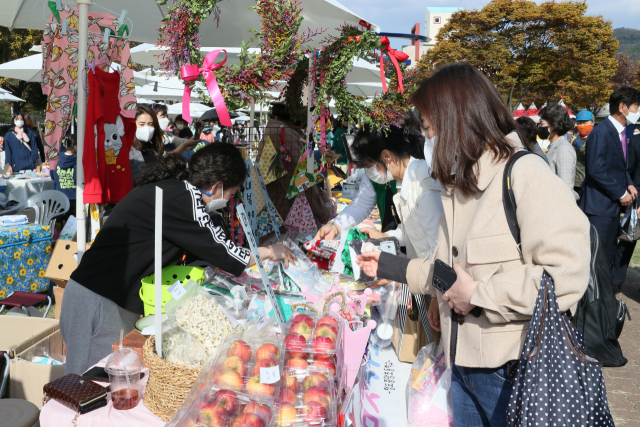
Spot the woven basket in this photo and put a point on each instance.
(169, 383)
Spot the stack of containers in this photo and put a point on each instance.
(233, 390)
(313, 340)
(307, 398)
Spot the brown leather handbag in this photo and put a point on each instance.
(80, 394)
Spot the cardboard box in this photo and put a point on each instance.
(63, 262)
(133, 340)
(58, 292)
(27, 379)
(19, 333)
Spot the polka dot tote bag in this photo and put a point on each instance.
(557, 383)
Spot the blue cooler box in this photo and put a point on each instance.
(24, 255)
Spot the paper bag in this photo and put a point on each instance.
(410, 335)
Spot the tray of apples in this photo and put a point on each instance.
(312, 340)
(238, 366)
(306, 398)
(218, 407)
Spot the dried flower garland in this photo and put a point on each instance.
(294, 93)
(280, 41)
(335, 62)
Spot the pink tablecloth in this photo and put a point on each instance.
(54, 414)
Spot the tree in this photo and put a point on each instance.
(626, 73)
(532, 51)
(14, 45)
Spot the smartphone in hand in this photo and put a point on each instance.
(444, 277)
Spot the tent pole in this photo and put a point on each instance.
(83, 30)
(252, 116)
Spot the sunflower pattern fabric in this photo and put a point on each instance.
(24, 255)
(60, 69)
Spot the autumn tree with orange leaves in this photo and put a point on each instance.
(530, 51)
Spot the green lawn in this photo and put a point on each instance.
(635, 259)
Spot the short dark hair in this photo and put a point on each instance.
(216, 162)
(69, 141)
(28, 120)
(179, 119)
(368, 145)
(528, 130)
(157, 108)
(557, 116)
(469, 117)
(624, 95)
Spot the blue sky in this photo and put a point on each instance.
(401, 15)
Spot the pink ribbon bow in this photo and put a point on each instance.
(394, 56)
(190, 73)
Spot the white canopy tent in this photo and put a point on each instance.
(365, 89)
(197, 110)
(28, 69)
(8, 97)
(148, 54)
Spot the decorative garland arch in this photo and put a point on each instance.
(280, 42)
(335, 62)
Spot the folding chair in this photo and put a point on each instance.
(24, 300)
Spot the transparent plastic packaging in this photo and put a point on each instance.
(249, 366)
(307, 398)
(124, 367)
(313, 340)
(219, 407)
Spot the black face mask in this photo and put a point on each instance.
(543, 132)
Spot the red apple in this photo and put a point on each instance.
(256, 388)
(295, 344)
(287, 395)
(303, 318)
(234, 363)
(301, 328)
(227, 400)
(317, 394)
(326, 363)
(297, 363)
(287, 415)
(211, 410)
(264, 363)
(327, 331)
(314, 413)
(241, 349)
(315, 379)
(323, 347)
(328, 320)
(208, 416)
(290, 381)
(231, 379)
(257, 408)
(266, 351)
(248, 420)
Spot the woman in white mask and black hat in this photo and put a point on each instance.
(102, 296)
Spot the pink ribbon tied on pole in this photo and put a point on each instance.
(190, 73)
(394, 56)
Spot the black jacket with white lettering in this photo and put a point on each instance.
(123, 251)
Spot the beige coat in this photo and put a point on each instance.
(474, 233)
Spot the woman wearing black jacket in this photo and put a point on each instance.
(102, 296)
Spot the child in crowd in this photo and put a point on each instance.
(64, 176)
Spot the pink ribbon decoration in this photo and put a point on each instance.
(394, 56)
(190, 73)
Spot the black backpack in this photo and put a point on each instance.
(600, 315)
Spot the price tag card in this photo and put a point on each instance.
(177, 290)
(256, 255)
(262, 320)
(270, 375)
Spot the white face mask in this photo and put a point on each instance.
(145, 133)
(19, 123)
(179, 126)
(164, 123)
(632, 118)
(377, 177)
(215, 204)
(429, 145)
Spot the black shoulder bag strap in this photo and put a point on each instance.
(508, 199)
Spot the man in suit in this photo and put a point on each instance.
(608, 186)
(624, 250)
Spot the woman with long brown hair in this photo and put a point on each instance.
(471, 135)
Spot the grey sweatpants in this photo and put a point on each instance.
(89, 325)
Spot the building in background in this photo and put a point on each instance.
(435, 18)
